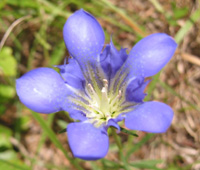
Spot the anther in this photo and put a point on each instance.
(105, 82)
(91, 88)
(119, 94)
(105, 88)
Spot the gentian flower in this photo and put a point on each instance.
(100, 86)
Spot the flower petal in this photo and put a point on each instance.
(83, 36)
(77, 115)
(42, 90)
(86, 141)
(72, 74)
(152, 117)
(135, 90)
(151, 54)
(72, 108)
(111, 59)
(112, 122)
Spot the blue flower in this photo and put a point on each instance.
(100, 87)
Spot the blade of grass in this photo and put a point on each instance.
(50, 7)
(44, 135)
(12, 26)
(187, 26)
(125, 17)
(107, 164)
(147, 164)
(119, 144)
(168, 88)
(57, 54)
(23, 4)
(152, 86)
(52, 136)
(12, 165)
(12, 36)
(117, 23)
(139, 144)
(100, 14)
(158, 6)
(52, 11)
(128, 132)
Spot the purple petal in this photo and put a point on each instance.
(152, 117)
(83, 36)
(71, 107)
(135, 90)
(86, 141)
(72, 74)
(113, 122)
(111, 59)
(42, 90)
(151, 54)
(76, 114)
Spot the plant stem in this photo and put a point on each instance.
(119, 145)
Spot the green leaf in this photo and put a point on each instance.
(2, 4)
(172, 21)
(24, 122)
(7, 91)
(62, 131)
(5, 134)
(62, 123)
(8, 64)
(13, 165)
(8, 155)
(128, 132)
(180, 13)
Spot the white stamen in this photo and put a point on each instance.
(119, 94)
(91, 88)
(105, 82)
(116, 98)
(95, 95)
(104, 93)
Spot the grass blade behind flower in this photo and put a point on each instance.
(52, 136)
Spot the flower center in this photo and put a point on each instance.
(102, 104)
(102, 100)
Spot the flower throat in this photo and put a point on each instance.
(102, 100)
